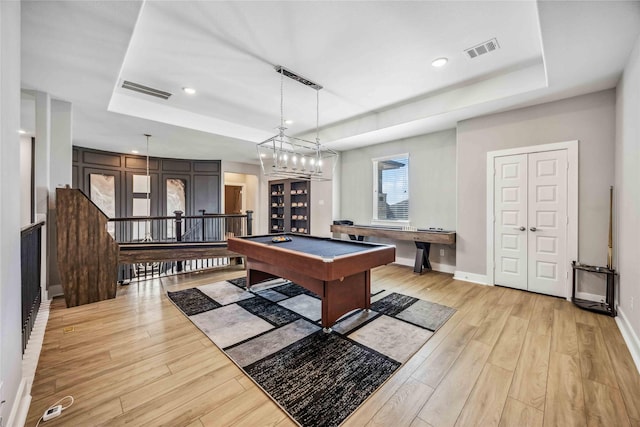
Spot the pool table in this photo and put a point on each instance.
(338, 271)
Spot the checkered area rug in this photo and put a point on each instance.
(273, 334)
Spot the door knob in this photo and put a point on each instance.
(522, 228)
(533, 229)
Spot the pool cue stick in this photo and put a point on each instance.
(610, 250)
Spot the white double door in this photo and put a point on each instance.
(530, 212)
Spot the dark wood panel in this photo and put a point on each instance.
(102, 158)
(443, 237)
(207, 197)
(206, 193)
(176, 165)
(74, 176)
(140, 162)
(87, 254)
(74, 155)
(208, 166)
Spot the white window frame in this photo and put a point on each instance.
(374, 211)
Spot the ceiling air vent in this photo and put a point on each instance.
(482, 48)
(145, 89)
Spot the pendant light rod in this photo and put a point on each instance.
(148, 177)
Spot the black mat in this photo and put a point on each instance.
(321, 379)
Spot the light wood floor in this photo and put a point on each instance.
(506, 358)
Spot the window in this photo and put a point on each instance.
(391, 188)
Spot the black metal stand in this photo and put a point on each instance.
(422, 257)
(607, 307)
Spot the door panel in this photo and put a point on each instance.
(510, 213)
(547, 212)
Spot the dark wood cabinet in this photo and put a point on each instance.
(289, 206)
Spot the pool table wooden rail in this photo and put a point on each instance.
(281, 258)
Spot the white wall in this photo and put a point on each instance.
(25, 180)
(627, 192)
(589, 119)
(432, 188)
(321, 211)
(10, 295)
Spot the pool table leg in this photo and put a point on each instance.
(342, 296)
(255, 276)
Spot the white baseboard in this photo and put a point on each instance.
(55, 291)
(20, 409)
(590, 297)
(443, 268)
(630, 337)
(471, 277)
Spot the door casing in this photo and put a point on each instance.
(572, 202)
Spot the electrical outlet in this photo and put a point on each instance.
(441, 252)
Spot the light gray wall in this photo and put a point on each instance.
(589, 119)
(10, 295)
(627, 194)
(59, 175)
(432, 186)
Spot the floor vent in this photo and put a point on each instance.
(145, 89)
(482, 48)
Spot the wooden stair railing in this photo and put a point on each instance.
(87, 254)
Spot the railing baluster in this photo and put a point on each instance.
(31, 246)
(213, 228)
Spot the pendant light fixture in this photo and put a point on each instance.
(284, 156)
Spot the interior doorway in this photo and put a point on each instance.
(241, 194)
(233, 199)
(532, 211)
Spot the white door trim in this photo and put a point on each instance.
(572, 201)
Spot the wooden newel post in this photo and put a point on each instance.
(249, 223)
(178, 215)
(179, 232)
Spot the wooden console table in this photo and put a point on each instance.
(421, 237)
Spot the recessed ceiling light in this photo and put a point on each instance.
(134, 151)
(189, 90)
(22, 131)
(439, 62)
(288, 122)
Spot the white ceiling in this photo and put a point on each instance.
(373, 59)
